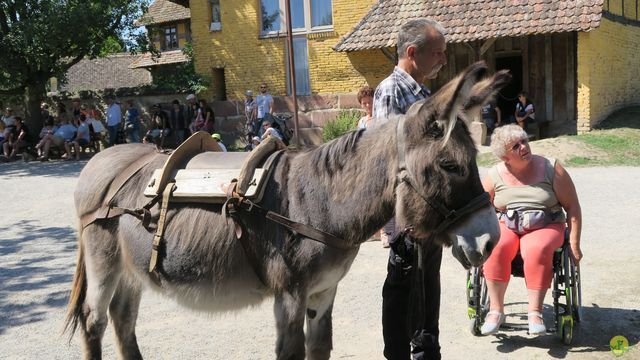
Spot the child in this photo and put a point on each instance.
(365, 98)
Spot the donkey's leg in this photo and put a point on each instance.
(319, 326)
(289, 309)
(103, 273)
(124, 312)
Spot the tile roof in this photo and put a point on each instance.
(166, 57)
(164, 11)
(469, 20)
(111, 72)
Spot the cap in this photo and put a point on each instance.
(255, 138)
(216, 136)
(191, 97)
(249, 93)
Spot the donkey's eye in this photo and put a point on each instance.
(434, 130)
(451, 167)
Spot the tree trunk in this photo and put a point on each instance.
(34, 95)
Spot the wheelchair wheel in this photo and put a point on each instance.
(566, 318)
(576, 292)
(477, 300)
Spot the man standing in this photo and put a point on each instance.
(264, 104)
(421, 54)
(114, 116)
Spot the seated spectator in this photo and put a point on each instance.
(8, 118)
(205, 118)
(525, 112)
(82, 137)
(255, 141)
(269, 130)
(65, 132)
(217, 138)
(365, 98)
(159, 127)
(46, 133)
(97, 129)
(178, 121)
(3, 132)
(17, 139)
(491, 116)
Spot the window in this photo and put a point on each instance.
(216, 24)
(301, 64)
(170, 39)
(306, 16)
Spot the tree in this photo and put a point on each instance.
(40, 39)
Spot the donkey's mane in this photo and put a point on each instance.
(330, 158)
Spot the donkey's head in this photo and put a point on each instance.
(440, 172)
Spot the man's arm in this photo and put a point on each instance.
(270, 104)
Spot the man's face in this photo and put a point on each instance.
(432, 58)
(263, 88)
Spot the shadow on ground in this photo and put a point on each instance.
(592, 334)
(29, 281)
(54, 168)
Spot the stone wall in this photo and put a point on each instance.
(608, 70)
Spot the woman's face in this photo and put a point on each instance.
(367, 104)
(518, 150)
(522, 99)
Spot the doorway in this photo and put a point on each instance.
(508, 96)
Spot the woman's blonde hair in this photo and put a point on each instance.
(503, 136)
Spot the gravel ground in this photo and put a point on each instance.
(38, 254)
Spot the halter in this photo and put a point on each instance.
(449, 216)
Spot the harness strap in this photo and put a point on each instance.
(298, 228)
(157, 238)
(107, 210)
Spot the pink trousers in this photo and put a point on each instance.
(536, 247)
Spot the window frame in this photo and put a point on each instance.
(163, 43)
(215, 25)
(307, 29)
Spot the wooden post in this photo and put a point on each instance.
(292, 73)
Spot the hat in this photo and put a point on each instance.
(255, 138)
(191, 97)
(216, 136)
(249, 93)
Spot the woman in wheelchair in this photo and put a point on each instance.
(530, 193)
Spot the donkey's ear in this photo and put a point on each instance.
(455, 95)
(486, 89)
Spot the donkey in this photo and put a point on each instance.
(348, 187)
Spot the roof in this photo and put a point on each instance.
(164, 11)
(469, 20)
(165, 58)
(111, 72)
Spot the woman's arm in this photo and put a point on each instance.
(489, 187)
(566, 193)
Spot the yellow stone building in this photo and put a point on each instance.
(576, 59)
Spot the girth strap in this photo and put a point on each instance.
(157, 238)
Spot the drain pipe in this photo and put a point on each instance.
(292, 73)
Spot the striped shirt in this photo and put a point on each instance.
(395, 95)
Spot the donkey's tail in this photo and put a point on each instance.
(78, 291)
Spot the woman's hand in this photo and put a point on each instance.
(576, 253)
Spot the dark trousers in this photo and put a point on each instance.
(400, 342)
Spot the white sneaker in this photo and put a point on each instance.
(490, 328)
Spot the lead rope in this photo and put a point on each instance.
(157, 238)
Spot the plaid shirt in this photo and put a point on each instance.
(395, 95)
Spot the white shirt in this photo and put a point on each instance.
(114, 114)
(224, 148)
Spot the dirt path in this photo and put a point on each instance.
(37, 259)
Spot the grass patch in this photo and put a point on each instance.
(487, 159)
(622, 146)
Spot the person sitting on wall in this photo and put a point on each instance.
(218, 139)
(491, 116)
(269, 130)
(525, 111)
(17, 139)
(159, 127)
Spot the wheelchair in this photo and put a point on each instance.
(567, 294)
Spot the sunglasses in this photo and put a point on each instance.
(517, 145)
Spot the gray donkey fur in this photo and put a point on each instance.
(346, 187)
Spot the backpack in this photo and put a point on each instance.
(279, 123)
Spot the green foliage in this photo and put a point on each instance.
(40, 39)
(346, 121)
(112, 45)
(182, 77)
